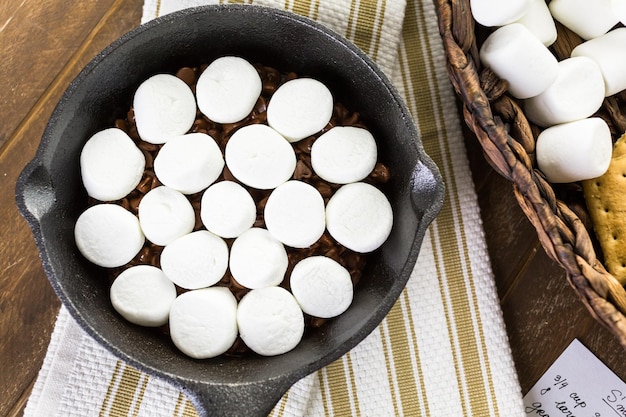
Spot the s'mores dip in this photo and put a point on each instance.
(233, 208)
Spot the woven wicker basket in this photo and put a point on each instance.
(558, 213)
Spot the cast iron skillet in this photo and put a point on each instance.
(50, 195)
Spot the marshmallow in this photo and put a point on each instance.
(344, 154)
(143, 295)
(588, 19)
(359, 217)
(608, 52)
(203, 323)
(164, 106)
(196, 260)
(574, 151)
(189, 163)
(539, 21)
(165, 215)
(294, 214)
(322, 287)
(257, 259)
(300, 108)
(619, 9)
(270, 321)
(518, 57)
(260, 157)
(108, 235)
(227, 209)
(228, 89)
(498, 12)
(111, 165)
(577, 93)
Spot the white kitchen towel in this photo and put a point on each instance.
(441, 351)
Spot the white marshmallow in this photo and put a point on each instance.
(517, 56)
(143, 295)
(189, 163)
(619, 9)
(228, 89)
(498, 12)
(196, 260)
(294, 214)
(608, 52)
(203, 323)
(588, 19)
(270, 321)
(164, 107)
(539, 21)
(165, 215)
(359, 217)
(344, 154)
(108, 235)
(111, 165)
(227, 209)
(574, 151)
(300, 108)
(257, 259)
(260, 157)
(577, 93)
(322, 286)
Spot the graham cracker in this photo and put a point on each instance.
(606, 201)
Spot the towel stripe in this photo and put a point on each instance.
(364, 25)
(111, 387)
(474, 373)
(189, 410)
(390, 365)
(179, 404)
(125, 392)
(403, 369)
(351, 29)
(184, 407)
(338, 387)
(381, 8)
(140, 394)
(308, 8)
(419, 396)
(324, 391)
(354, 398)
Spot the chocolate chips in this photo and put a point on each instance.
(326, 245)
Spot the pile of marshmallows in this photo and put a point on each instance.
(560, 96)
(205, 321)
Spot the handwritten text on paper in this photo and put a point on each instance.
(577, 384)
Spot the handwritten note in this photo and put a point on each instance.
(578, 384)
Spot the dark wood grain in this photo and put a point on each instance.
(44, 46)
(48, 43)
(38, 39)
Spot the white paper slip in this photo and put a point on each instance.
(577, 384)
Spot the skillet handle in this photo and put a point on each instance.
(34, 192)
(427, 190)
(235, 400)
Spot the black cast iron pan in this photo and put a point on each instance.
(51, 197)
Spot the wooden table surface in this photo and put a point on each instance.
(44, 44)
